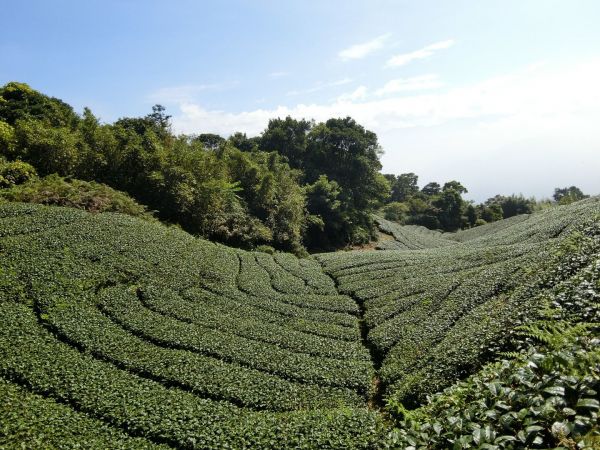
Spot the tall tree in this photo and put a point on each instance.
(288, 137)
(431, 189)
(404, 186)
(18, 101)
(349, 154)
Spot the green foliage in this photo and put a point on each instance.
(409, 237)
(546, 398)
(243, 142)
(403, 186)
(288, 137)
(450, 204)
(48, 149)
(243, 191)
(564, 196)
(396, 212)
(339, 163)
(480, 222)
(431, 189)
(18, 101)
(7, 139)
(58, 191)
(501, 206)
(434, 207)
(15, 173)
(168, 339)
(31, 421)
(210, 141)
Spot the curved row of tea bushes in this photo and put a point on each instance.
(169, 303)
(538, 227)
(85, 327)
(307, 271)
(259, 369)
(254, 280)
(36, 360)
(294, 318)
(282, 280)
(123, 306)
(546, 395)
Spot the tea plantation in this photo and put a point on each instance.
(117, 332)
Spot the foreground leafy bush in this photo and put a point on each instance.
(544, 398)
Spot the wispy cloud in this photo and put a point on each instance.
(319, 86)
(187, 92)
(360, 51)
(419, 83)
(360, 93)
(422, 53)
(280, 74)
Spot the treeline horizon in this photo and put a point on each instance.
(300, 185)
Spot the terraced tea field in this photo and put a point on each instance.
(117, 332)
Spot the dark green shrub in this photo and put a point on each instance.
(15, 172)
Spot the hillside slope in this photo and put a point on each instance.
(147, 336)
(434, 310)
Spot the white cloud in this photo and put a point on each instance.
(533, 92)
(340, 82)
(362, 50)
(418, 83)
(425, 52)
(187, 92)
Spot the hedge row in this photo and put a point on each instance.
(433, 314)
(308, 271)
(85, 327)
(410, 237)
(255, 281)
(294, 318)
(282, 280)
(169, 303)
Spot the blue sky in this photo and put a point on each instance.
(501, 95)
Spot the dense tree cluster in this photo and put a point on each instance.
(300, 184)
(442, 207)
(434, 206)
